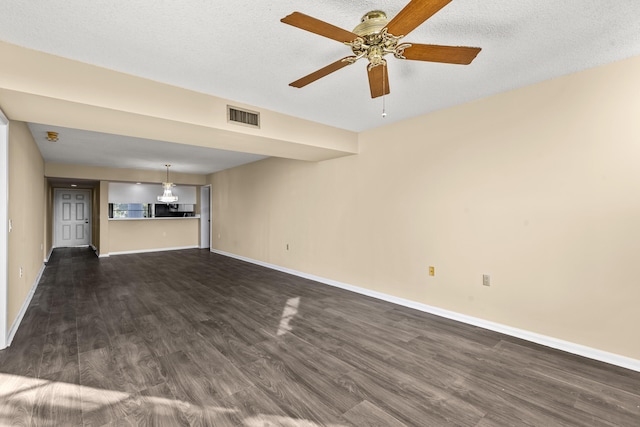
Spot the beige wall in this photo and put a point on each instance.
(538, 187)
(26, 210)
(94, 173)
(153, 234)
(47, 218)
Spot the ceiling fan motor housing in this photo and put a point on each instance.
(371, 24)
(374, 42)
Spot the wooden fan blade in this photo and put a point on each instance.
(341, 63)
(317, 26)
(447, 54)
(379, 81)
(414, 14)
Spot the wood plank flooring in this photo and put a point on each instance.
(190, 338)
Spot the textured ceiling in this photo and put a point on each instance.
(241, 51)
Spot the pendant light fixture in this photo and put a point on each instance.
(167, 196)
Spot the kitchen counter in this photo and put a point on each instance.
(154, 218)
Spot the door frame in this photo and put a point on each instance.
(55, 215)
(4, 220)
(205, 222)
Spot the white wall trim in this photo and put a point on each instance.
(25, 306)
(46, 260)
(142, 251)
(97, 252)
(4, 227)
(205, 220)
(580, 350)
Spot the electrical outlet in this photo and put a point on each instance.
(21, 272)
(432, 271)
(10, 225)
(486, 280)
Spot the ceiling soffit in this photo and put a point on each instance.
(42, 88)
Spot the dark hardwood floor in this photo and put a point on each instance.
(197, 339)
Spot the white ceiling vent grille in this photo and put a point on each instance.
(243, 117)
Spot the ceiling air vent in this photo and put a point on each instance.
(243, 117)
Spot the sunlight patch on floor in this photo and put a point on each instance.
(289, 312)
(20, 398)
(278, 421)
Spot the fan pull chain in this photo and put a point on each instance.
(384, 111)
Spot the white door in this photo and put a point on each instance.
(205, 217)
(72, 217)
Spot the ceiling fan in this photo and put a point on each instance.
(376, 37)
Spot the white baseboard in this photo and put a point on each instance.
(569, 347)
(142, 251)
(97, 252)
(16, 323)
(46, 260)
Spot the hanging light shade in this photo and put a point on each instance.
(167, 196)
